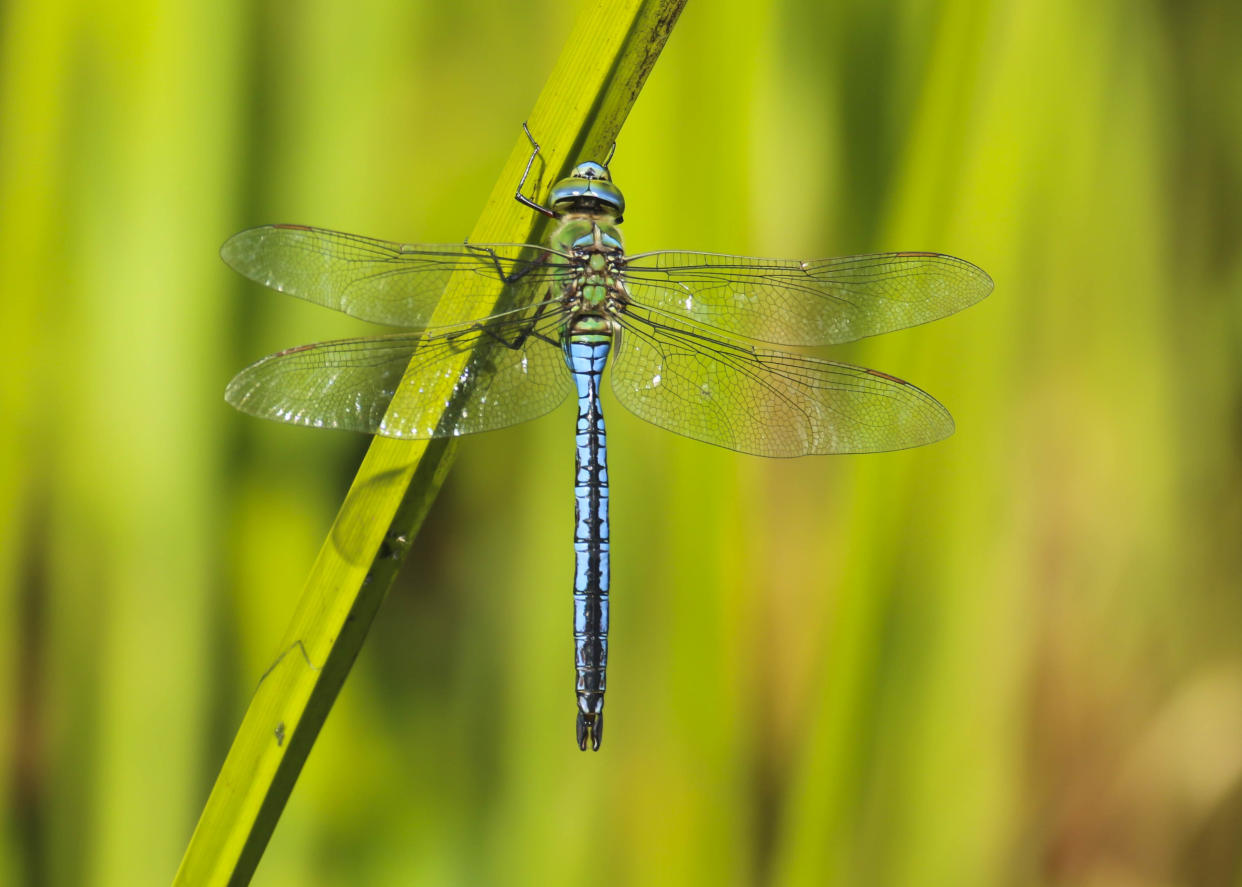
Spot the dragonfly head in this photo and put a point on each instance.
(588, 188)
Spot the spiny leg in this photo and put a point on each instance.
(524, 332)
(506, 279)
(518, 195)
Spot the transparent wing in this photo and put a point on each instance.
(818, 302)
(768, 403)
(517, 373)
(390, 283)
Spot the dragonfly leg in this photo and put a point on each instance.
(500, 271)
(519, 339)
(518, 195)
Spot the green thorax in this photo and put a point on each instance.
(595, 245)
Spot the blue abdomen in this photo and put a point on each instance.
(586, 356)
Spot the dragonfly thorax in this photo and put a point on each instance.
(585, 237)
(594, 283)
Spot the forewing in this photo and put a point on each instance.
(390, 283)
(817, 302)
(768, 403)
(350, 383)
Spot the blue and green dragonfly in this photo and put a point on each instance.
(677, 326)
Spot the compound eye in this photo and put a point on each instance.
(590, 170)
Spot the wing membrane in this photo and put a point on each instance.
(768, 403)
(350, 383)
(379, 281)
(818, 302)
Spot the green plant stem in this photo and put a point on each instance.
(609, 53)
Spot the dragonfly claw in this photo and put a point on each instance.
(590, 726)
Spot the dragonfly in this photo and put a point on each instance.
(680, 334)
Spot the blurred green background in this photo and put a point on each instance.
(1013, 658)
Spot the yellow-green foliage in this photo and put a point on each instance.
(1010, 658)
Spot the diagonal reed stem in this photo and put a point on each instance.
(601, 70)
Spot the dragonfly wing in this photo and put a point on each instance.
(496, 379)
(390, 283)
(768, 403)
(817, 302)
